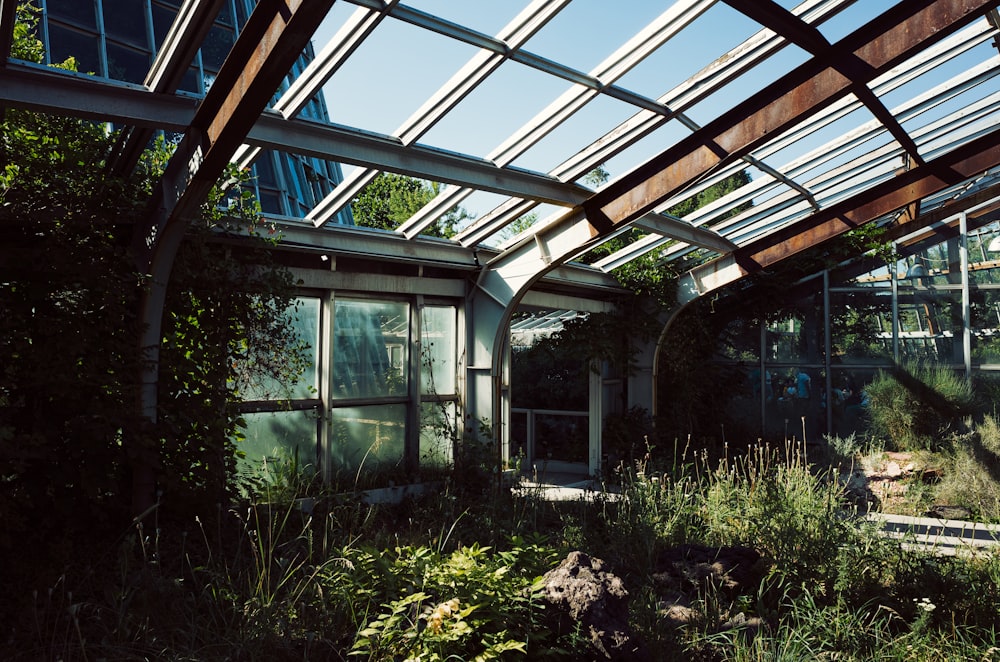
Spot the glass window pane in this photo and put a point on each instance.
(162, 20)
(127, 64)
(370, 437)
(930, 322)
(305, 322)
(278, 436)
(985, 326)
(65, 44)
(78, 12)
(861, 326)
(125, 20)
(217, 44)
(264, 169)
(740, 341)
(437, 348)
(437, 433)
(370, 348)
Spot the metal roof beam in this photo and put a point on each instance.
(50, 90)
(772, 15)
(187, 33)
(880, 45)
(906, 188)
(363, 148)
(812, 41)
(630, 54)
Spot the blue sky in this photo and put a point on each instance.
(399, 66)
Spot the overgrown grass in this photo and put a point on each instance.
(455, 575)
(919, 407)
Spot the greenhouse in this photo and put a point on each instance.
(829, 116)
(551, 329)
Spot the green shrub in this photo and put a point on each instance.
(771, 500)
(972, 478)
(471, 604)
(918, 407)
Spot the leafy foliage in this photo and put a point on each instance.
(70, 430)
(918, 407)
(390, 199)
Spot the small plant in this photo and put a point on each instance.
(972, 478)
(470, 604)
(919, 408)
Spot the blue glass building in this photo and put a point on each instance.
(118, 39)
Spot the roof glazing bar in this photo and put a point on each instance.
(723, 70)
(636, 49)
(464, 81)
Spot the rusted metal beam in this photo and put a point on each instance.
(273, 38)
(906, 188)
(906, 225)
(186, 34)
(275, 35)
(873, 49)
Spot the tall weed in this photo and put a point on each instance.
(972, 478)
(918, 407)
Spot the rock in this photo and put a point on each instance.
(858, 492)
(581, 590)
(748, 628)
(687, 568)
(678, 615)
(949, 512)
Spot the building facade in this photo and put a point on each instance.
(119, 39)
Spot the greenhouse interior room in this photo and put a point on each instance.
(326, 263)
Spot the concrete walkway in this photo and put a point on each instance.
(946, 537)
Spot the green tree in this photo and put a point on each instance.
(69, 355)
(390, 199)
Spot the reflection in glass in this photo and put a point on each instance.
(371, 437)
(861, 326)
(796, 338)
(437, 348)
(740, 340)
(70, 43)
(273, 386)
(370, 348)
(278, 436)
(125, 20)
(127, 64)
(985, 307)
(930, 324)
(74, 11)
(438, 431)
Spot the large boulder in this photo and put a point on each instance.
(582, 592)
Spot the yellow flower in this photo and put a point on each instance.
(437, 616)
